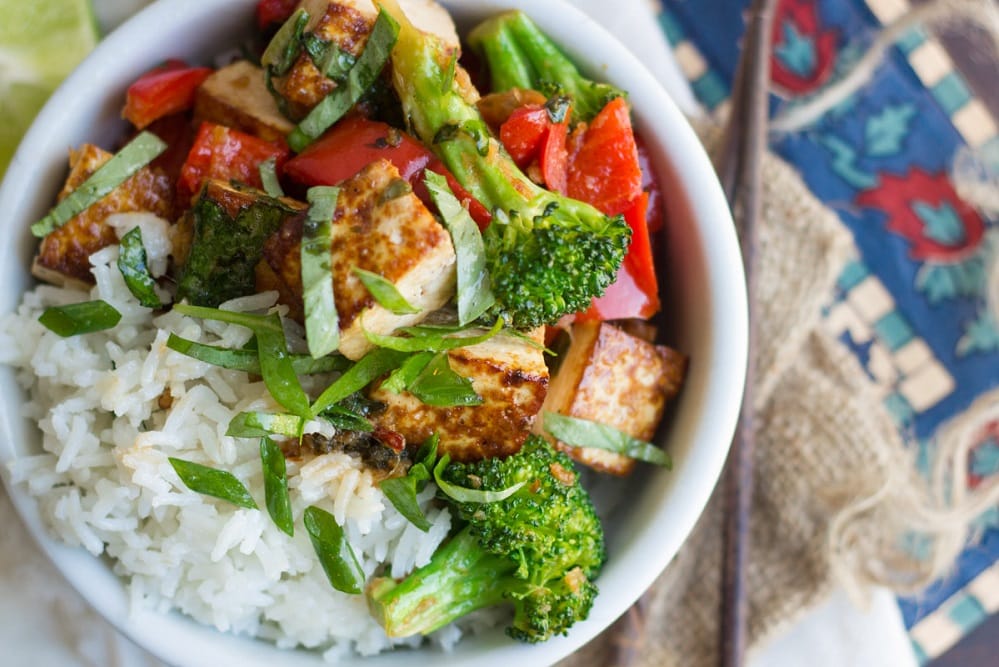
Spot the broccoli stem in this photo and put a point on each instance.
(460, 578)
(520, 55)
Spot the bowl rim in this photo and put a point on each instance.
(160, 634)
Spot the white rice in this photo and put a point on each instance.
(104, 482)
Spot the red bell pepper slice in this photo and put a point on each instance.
(224, 153)
(555, 158)
(524, 132)
(274, 12)
(605, 171)
(356, 142)
(650, 184)
(635, 291)
(164, 90)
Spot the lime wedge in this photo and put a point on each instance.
(40, 43)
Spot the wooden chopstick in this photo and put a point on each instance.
(738, 165)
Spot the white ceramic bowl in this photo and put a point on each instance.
(703, 292)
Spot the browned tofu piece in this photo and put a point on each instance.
(382, 227)
(347, 23)
(511, 377)
(63, 256)
(611, 377)
(237, 97)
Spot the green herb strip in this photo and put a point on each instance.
(438, 385)
(330, 59)
(359, 79)
(272, 353)
(335, 555)
(246, 360)
(403, 376)
(276, 486)
(139, 152)
(475, 296)
(402, 491)
(322, 323)
(261, 424)
(269, 177)
(369, 367)
(585, 433)
(462, 494)
(286, 44)
(132, 264)
(213, 482)
(430, 341)
(80, 318)
(385, 293)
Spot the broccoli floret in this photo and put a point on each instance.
(538, 549)
(519, 55)
(547, 255)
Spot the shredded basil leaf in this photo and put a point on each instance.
(401, 377)
(345, 419)
(359, 79)
(213, 482)
(322, 324)
(585, 433)
(246, 359)
(431, 342)
(272, 353)
(330, 59)
(260, 424)
(135, 271)
(402, 491)
(385, 293)
(136, 154)
(475, 296)
(80, 318)
(269, 177)
(335, 555)
(438, 385)
(286, 44)
(462, 494)
(276, 486)
(369, 367)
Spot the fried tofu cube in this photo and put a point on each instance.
(614, 378)
(379, 226)
(63, 256)
(347, 24)
(237, 96)
(510, 375)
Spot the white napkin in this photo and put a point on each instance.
(44, 622)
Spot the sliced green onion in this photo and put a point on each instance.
(133, 267)
(402, 491)
(431, 341)
(585, 433)
(286, 44)
(247, 360)
(369, 367)
(136, 154)
(385, 293)
(276, 486)
(269, 178)
(438, 385)
(401, 377)
(359, 79)
(213, 482)
(80, 318)
(462, 494)
(260, 424)
(272, 353)
(322, 324)
(475, 296)
(335, 555)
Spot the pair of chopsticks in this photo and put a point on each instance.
(739, 169)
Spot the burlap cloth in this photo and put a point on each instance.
(836, 492)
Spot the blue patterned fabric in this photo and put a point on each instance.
(912, 305)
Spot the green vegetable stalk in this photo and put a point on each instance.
(547, 255)
(538, 549)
